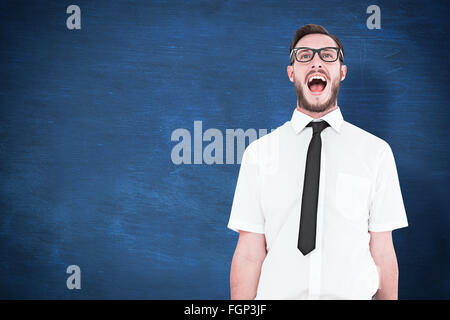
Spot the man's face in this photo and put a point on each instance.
(316, 95)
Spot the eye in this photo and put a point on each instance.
(304, 55)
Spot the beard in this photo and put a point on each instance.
(317, 107)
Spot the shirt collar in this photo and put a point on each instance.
(300, 120)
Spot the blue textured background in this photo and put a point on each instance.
(87, 115)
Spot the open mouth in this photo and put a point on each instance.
(317, 83)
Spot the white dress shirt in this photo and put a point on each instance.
(359, 191)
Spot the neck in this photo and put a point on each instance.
(316, 115)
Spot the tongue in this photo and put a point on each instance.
(317, 87)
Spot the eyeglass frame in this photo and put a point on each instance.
(338, 56)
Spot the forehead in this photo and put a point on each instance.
(316, 41)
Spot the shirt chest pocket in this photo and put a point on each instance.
(352, 196)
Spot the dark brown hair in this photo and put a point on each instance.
(314, 28)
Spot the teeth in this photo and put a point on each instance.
(316, 77)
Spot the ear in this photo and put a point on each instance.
(343, 72)
(290, 72)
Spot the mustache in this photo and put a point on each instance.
(318, 71)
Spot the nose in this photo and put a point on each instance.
(316, 62)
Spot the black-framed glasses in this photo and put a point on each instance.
(327, 54)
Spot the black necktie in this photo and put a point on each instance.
(308, 214)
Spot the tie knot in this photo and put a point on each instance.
(318, 126)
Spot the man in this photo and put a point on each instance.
(316, 199)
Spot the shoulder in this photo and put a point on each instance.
(265, 151)
(267, 143)
(364, 139)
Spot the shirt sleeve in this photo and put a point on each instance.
(387, 210)
(246, 212)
